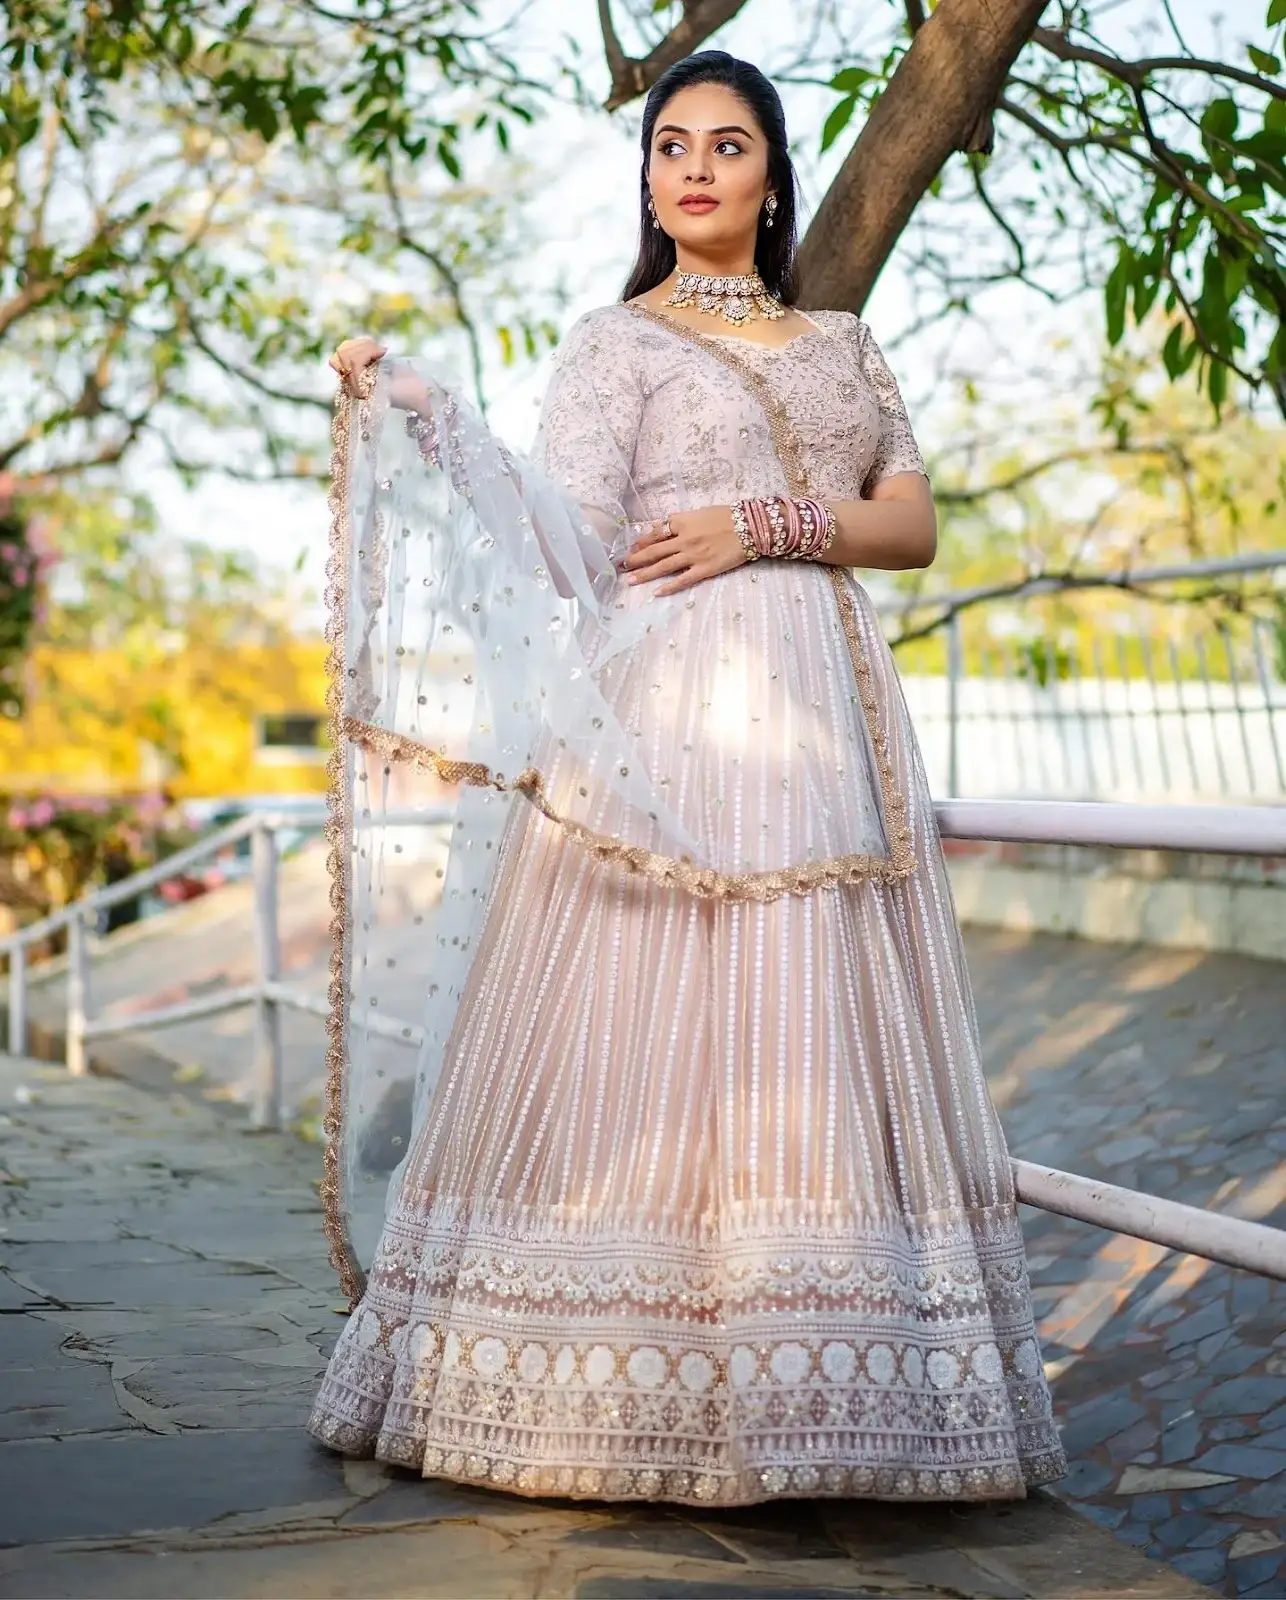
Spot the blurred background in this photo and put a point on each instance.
(1068, 238)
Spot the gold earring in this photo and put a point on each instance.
(652, 212)
(770, 206)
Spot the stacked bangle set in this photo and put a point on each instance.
(786, 529)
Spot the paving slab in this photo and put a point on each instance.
(165, 1289)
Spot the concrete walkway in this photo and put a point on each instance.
(165, 1309)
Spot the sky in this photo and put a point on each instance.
(588, 221)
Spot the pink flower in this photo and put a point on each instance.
(41, 814)
(19, 577)
(17, 818)
(8, 552)
(151, 808)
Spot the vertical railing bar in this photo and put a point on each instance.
(955, 669)
(1082, 713)
(1057, 716)
(1239, 708)
(1132, 732)
(1257, 629)
(1212, 714)
(269, 1107)
(18, 1000)
(1109, 721)
(1145, 643)
(1176, 672)
(78, 994)
(995, 714)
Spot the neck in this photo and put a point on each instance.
(734, 263)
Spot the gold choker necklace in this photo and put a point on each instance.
(736, 300)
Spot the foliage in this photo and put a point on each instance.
(1151, 174)
(127, 591)
(25, 560)
(375, 68)
(197, 200)
(1152, 475)
(56, 848)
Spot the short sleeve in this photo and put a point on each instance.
(590, 417)
(897, 450)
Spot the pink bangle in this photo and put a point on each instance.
(784, 529)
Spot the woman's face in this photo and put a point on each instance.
(708, 169)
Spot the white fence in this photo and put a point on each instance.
(1237, 830)
(1150, 698)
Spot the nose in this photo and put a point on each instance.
(698, 166)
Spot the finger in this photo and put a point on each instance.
(689, 580)
(656, 532)
(646, 555)
(653, 563)
(663, 568)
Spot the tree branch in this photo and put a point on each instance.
(453, 286)
(957, 64)
(249, 378)
(1134, 72)
(700, 19)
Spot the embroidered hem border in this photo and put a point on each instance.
(685, 1486)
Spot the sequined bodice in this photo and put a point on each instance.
(639, 414)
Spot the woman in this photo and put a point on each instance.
(705, 1199)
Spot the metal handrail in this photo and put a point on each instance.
(1057, 583)
(1231, 830)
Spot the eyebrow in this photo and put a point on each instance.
(732, 127)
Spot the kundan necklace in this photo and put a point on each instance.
(736, 300)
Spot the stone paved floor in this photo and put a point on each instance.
(1163, 1071)
(165, 1307)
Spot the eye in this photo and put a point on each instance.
(728, 146)
(668, 145)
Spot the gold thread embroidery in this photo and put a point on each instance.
(703, 882)
(338, 819)
(790, 452)
(706, 883)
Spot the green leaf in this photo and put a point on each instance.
(1219, 120)
(851, 79)
(1172, 352)
(1217, 383)
(1147, 282)
(1114, 293)
(1276, 12)
(839, 119)
(1265, 62)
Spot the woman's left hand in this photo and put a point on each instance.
(689, 547)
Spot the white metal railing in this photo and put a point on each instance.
(1226, 830)
(266, 992)
(1151, 699)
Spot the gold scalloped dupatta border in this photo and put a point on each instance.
(347, 733)
(338, 837)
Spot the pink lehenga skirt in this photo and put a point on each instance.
(710, 1205)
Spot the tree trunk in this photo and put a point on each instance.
(946, 85)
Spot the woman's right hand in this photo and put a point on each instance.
(355, 355)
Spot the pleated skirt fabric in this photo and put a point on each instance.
(711, 1205)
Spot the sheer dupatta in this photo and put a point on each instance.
(483, 653)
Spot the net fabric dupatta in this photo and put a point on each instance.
(486, 654)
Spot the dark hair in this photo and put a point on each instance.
(775, 246)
